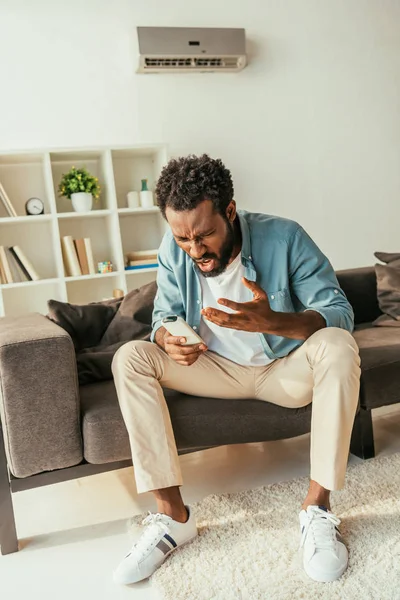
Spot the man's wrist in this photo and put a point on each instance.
(159, 337)
(294, 325)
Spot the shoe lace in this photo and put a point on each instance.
(156, 526)
(321, 526)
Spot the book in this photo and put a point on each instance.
(82, 256)
(28, 267)
(7, 202)
(142, 255)
(6, 265)
(138, 267)
(3, 278)
(89, 255)
(71, 261)
(146, 261)
(19, 264)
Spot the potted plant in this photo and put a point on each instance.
(81, 187)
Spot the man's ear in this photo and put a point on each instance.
(231, 211)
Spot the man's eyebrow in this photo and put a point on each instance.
(201, 234)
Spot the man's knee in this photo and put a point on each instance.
(335, 344)
(130, 354)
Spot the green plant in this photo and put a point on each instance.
(79, 180)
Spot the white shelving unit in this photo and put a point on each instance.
(114, 228)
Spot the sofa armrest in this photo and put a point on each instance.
(39, 398)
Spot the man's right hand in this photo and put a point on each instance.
(174, 347)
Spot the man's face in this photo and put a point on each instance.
(205, 235)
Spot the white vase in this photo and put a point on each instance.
(82, 201)
(133, 199)
(146, 199)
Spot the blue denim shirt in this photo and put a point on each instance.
(281, 257)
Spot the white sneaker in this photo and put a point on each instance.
(325, 556)
(161, 536)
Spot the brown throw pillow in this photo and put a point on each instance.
(388, 289)
(86, 323)
(133, 318)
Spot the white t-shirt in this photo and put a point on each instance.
(241, 347)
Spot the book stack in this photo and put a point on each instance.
(7, 202)
(143, 259)
(15, 266)
(77, 256)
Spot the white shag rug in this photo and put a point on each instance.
(248, 542)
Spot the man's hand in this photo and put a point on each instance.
(173, 346)
(256, 316)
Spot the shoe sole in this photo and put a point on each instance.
(324, 577)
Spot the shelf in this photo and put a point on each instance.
(19, 284)
(113, 227)
(140, 271)
(84, 215)
(132, 165)
(23, 177)
(26, 218)
(17, 300)
(95, 161)
(138, 211)
(96, 276)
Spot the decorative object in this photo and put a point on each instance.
(253, 537)
(104, 267)
(34, 206)
(146, 196)
(81, 187)
(133, 199)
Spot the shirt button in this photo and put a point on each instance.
(157, 297)
(336, 291)
(249, 257)
(272, 297)
(198, 301)
(195, 327)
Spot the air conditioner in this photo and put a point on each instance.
(186, 49)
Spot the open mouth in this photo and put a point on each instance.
(206, 265)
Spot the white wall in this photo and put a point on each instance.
(310, 130)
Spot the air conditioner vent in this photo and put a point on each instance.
(192, 63)
(168, 63)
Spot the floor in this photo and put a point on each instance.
(74, 533)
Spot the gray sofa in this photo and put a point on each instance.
(53, 430)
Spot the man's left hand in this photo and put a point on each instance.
(256, 316)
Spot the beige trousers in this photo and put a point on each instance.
(325, 370)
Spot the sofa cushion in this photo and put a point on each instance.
(388, 288)
(380, 365)
(85, 323)
(100, 328)
(197, 422)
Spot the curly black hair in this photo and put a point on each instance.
(187, 181)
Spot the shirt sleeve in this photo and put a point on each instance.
(168, 300)
(314, 283)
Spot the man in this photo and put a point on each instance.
(276, 327)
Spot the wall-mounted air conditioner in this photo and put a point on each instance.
(186, 49)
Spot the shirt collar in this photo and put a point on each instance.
(246, 241)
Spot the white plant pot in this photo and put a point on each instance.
(82, 201)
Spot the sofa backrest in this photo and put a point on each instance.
(359, 285)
